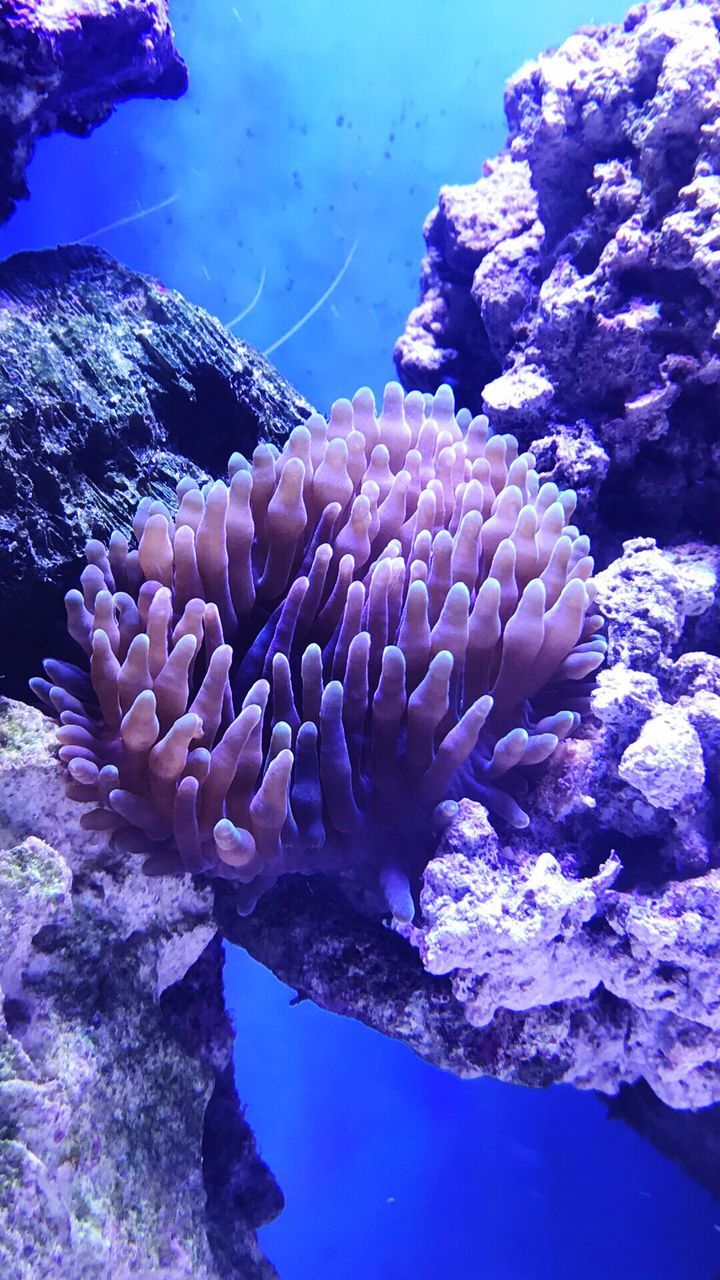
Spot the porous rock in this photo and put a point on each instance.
(519, 934)
(65, 64)
(514, 926)
(111, 388)
(665, 762)
(550, 980)
(583, 948)
(123, 1148)
(642, 598)
(573, 290)
(654, 765)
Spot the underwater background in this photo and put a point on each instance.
(305, 155)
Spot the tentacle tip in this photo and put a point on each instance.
(444, 814)
(520, 820)
(396, 889)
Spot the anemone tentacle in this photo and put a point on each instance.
(388, 614)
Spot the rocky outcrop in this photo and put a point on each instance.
(572, 294)
(518, 934)
(573, 290)
(584, 948)
(123, 1147)
(111, 388)
(65, 64)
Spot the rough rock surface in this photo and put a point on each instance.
(516, 933)
(347, 964)
(64, 64)
(659, 709)
(561, 981)
(574, 292)
(123, 1149)
(586, 947)
(601, 1040)
(111, 387)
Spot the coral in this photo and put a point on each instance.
(572, 292)
(66, 64)
(387, 615)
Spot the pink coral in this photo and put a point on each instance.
(293, 671)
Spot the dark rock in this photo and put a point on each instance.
(111, 387)
(242, 1194)
(67, 64)
(573, 290)
(690, 1139)
(329, 953)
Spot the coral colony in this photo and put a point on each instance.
(304, 667)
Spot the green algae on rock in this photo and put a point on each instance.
(122, 1143)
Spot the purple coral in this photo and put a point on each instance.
(295, 670)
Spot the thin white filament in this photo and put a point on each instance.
(251, 305)
(309, 314)
(132, 217)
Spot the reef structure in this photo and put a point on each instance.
(389, 613)
(124, 1151)
(107, 385)
(65, 65)
(584, 948)
(572, 292)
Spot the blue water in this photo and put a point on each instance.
(393, 1170)
(310, 125)
(311, 128)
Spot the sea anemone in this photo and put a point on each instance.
(305, 665)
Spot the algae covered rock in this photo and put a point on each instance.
(123, 1149)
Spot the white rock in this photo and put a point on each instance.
(665, 763)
